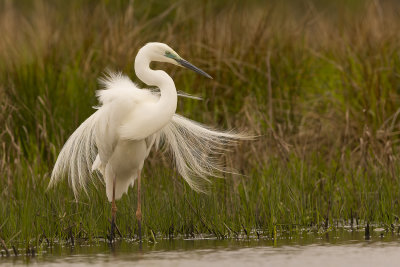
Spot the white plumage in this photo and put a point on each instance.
(119, 136)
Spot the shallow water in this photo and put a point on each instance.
(310, 249)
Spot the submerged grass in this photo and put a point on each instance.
(319, 84)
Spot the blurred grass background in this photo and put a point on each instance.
(318, 81)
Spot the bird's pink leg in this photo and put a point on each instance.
(113, 210)
(139, 210)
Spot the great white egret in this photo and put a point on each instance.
(117, 138)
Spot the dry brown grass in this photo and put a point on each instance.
(260, 56)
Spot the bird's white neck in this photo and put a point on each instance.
(166, 106)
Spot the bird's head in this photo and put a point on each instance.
(163, 53)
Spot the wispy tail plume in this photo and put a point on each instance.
(77, 156)
(197, 149)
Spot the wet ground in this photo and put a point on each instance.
(335, 248)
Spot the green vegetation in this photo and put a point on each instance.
(319, 84)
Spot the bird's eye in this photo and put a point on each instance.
(170, 55)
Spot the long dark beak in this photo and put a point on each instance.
(189, 65)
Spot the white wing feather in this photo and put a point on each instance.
(118, 98)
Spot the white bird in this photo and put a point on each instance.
(118, 137)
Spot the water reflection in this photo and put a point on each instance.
(338, 248)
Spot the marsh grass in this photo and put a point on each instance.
(319, 85)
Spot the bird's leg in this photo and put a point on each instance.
(139, 210)
(113, 210)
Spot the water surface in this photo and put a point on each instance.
(339, 248)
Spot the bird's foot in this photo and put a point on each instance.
(139, 219)
(113, 225)
(140, 230)
(112, 231)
